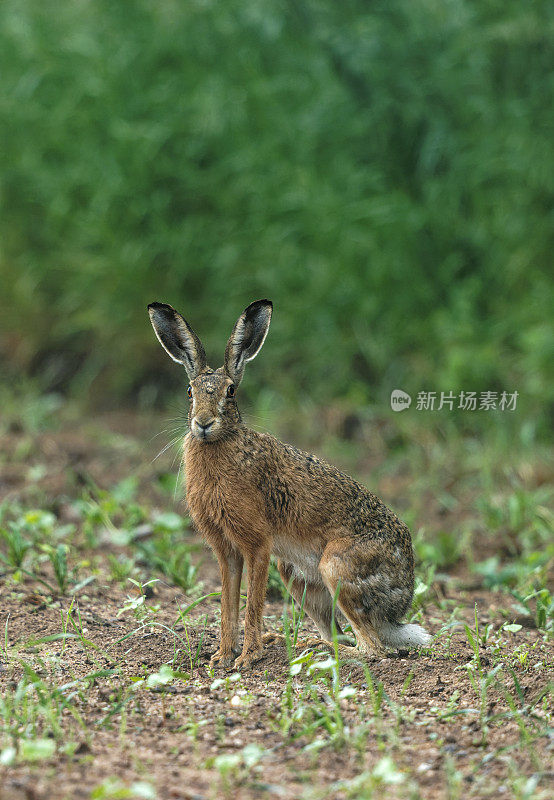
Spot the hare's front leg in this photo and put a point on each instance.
(257, 565)
(230, 565)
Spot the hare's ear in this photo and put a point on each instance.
(177, 338)
(247, 338)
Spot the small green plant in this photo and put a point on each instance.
(17, 545)
(121, 567)
(171, 556)
(116, 789)
(524, 518)
(164, 677)
(115, 511)
(235, 767)
(27, 409)
(454, 779)
(226, 682)
(137, 603)
(315, 712)
(480, 679)
(33, 714)
(370, 784)
(58, 559)
(539, 604)
(192, 652)
(443, 548)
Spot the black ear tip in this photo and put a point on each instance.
(260, 304)
(159, 307)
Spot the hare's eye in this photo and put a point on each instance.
(230, 391)
(189, 392)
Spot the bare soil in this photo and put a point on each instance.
(170, 737)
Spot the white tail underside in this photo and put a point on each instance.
(403, 635)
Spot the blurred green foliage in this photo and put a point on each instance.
(383, 171)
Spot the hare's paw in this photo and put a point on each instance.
(223, 658)
(314, 643)
(248, 657)
(273, 638)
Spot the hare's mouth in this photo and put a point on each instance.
(205, 431)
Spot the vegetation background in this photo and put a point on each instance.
(384, 172)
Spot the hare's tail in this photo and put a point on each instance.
(403, 635)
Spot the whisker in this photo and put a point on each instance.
(178, 453)
(170, 431)
(167, 446)
(176, 409)
(177, 480)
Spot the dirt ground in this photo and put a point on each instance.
(170, 738)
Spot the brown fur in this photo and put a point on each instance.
(251, 495)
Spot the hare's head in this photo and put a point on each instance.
(213, 412)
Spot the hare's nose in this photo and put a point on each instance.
(204, 426)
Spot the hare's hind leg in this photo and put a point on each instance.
(318, 604)
(349, 568)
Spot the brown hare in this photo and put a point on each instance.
(250, 496)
